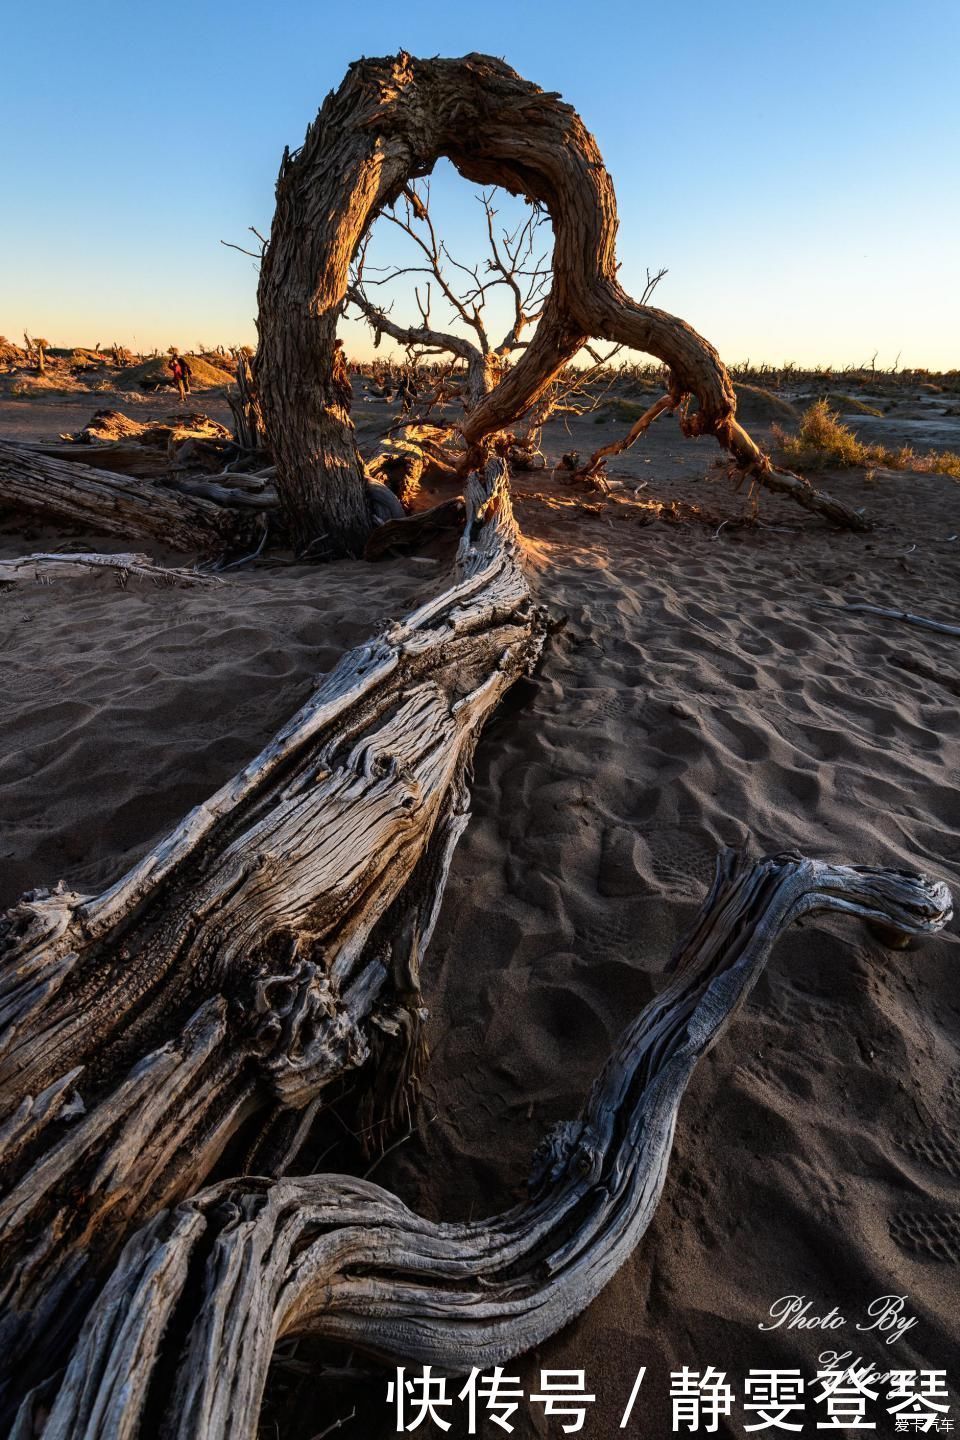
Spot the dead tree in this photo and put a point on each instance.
(193, 1015)
(245, 405)
(247, 962)
(41, 347)
(203, 1293)
(512, 264)
(390, 121)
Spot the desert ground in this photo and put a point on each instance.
(704, 686)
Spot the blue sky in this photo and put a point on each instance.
(794, 166)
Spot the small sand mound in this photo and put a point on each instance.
(110, 425)
(81, 359)
(107, 425)
(843, 404)
(762, 408)
(756, 408)
(153, 373)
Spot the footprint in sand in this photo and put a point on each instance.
(680, 860)
(928, 1232)
(935, 1233)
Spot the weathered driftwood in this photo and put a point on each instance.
(203, 1294)
(43, 569)
(106, 426)
(390, 121)
(119, 457)
(237, 969)
(114, 504)
(113, 441)
(923, 622)
(219, 491)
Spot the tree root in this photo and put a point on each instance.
(206, 1290)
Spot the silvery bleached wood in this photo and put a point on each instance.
(43, 568)
(208, 1288)
(238, 967)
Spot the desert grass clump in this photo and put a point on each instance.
(851, 405)
(822, 439)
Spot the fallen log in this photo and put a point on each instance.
(241, 497)
(112, 504)
(238, 968)
(412, 454)
(105, 427)
(120, 457)
(203, 1293)
(43, 569)
(113, 441)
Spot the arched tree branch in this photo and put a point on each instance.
(390, 121)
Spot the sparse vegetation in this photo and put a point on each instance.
(823, 440)
(850, 405)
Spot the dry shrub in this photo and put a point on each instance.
(823, 439)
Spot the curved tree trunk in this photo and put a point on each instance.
(390, 121)
(205, 1292)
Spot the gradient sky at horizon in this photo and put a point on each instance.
(794, 167)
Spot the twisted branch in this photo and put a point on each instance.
(214, 1284)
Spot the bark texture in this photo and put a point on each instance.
(236, 971)
(44, 569)
(203, 1294)
(389, 122)
(113, 504)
